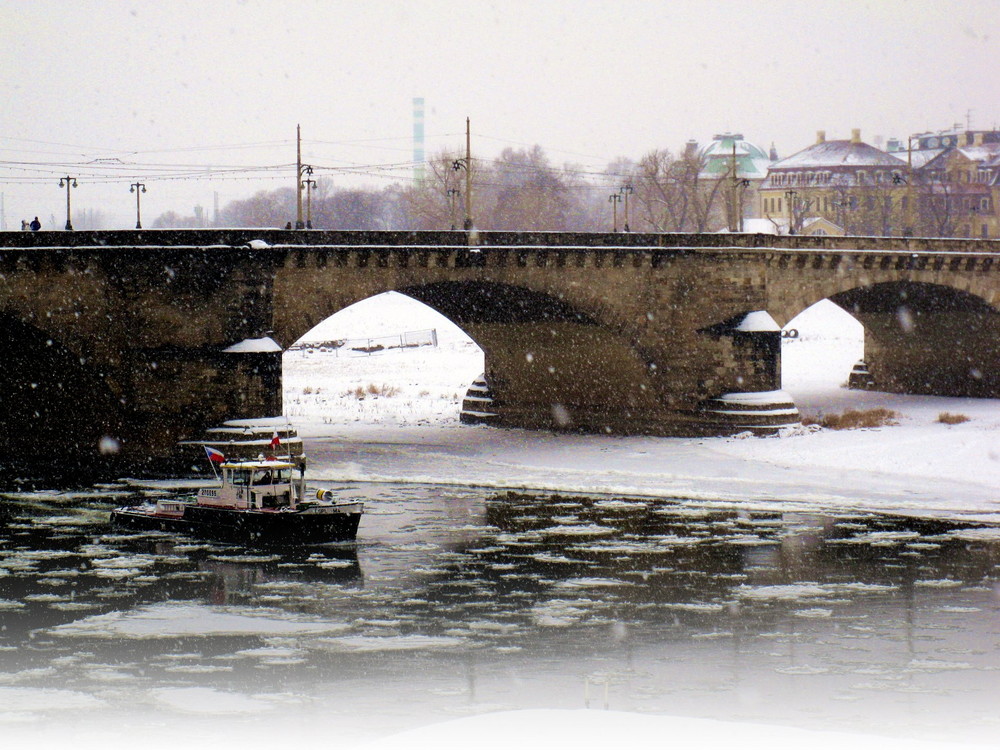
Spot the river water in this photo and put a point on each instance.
(458, 601)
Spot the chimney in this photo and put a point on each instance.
(977, 139)
(820, 136)
(691, 148)
(856, 135)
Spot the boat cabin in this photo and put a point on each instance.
(261, 485)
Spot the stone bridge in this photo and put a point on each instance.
(118, 339)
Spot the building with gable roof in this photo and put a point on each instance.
(957, 176)
(850, 183)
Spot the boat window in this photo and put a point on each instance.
(270, 476)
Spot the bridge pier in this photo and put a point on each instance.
(177, 395)
(578, 376)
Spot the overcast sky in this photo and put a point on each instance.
(224, 83)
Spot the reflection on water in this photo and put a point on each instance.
(454, 602)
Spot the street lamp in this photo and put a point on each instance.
(137, 188)
(614, 198)
(309, 184)
(790, 197)
(453, 194)
(625, 190)
(68, 182)
(303, 169)
(456, 165)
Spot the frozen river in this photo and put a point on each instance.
(457, 601)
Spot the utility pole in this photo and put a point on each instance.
(309, 184)
(299, 224)
(468, 176)
(453, 194)
(731, 202)
(68, 182)
(625, 190)
(137, 188)
(614, 198)
(466, 164)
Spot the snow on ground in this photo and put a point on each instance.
(412, 386)
(408, 429)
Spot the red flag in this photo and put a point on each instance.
(275, 442)
(214, 455)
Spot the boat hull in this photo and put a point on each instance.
(251, 527)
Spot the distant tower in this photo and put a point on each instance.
(418, 139)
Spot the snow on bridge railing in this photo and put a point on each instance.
(265, 240)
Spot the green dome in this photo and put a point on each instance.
(752, 161)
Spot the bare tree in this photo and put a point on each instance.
(264, 209)
(936, 207)
(671, 194)
(529, 194)
(436, 202)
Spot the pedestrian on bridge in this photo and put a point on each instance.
(35, 224)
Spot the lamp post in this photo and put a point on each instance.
(614, 198)
(909, 217)
(790, 197)
(304, 170)
(453, 194)
(625, 190)
(309, 184)
(137, 188)
(68, 182)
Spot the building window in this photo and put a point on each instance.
(985, 231)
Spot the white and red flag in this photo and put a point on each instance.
(214, 455)
(275, 441)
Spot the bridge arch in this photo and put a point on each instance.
(548, 362)
(926, 338)
(386, 359)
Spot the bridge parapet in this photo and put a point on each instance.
(208, 238)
